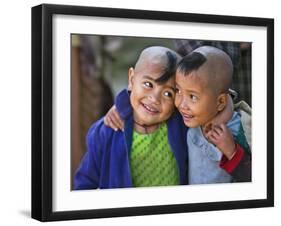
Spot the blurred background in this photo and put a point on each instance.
(99, 70)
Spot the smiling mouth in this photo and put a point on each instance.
(150, 109)
(187, 117)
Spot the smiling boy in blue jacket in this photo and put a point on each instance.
(152, 149)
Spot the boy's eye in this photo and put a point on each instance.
(168, 94)
(193, 98)
(148, 84)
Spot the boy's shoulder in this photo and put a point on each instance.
(234, 123)
(102, 140)
(234, 120)
(241, 131)
(99, 130)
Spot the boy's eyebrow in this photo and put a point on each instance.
(150, 78)
(191, 91)
(172, 88)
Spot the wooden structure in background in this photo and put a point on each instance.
(91, 98)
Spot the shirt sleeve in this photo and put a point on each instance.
(239, 166)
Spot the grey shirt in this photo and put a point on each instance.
(204, 157)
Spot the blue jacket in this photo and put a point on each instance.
(106, 162)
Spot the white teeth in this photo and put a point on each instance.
(187, 116)
(150, 109)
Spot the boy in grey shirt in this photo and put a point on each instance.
(203, 79)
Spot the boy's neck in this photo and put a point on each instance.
(145, 129)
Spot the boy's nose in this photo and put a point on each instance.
(155, 97)
(184, 104)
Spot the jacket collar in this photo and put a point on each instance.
(123, 105)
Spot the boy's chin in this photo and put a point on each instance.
(146, 127)
(150, 124)
(190, 125)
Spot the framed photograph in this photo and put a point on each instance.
(84, 58)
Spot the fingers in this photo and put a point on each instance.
(208, 128)
(217, 130)
(108, 122)
(215, 134)
(113, 120)
(223, 127)
(117, 119)
(212, 138)
(105, 121)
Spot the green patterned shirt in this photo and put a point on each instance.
(152, 160)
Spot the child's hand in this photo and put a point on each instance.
(113, 120)
(221, 136)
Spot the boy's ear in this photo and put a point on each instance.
(222, 101)
(131, 73)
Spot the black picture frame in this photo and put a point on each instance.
(42, 108)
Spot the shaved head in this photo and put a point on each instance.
(158, 57)
(218, 65)
(211, 64)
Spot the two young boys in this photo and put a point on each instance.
(153, 150)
